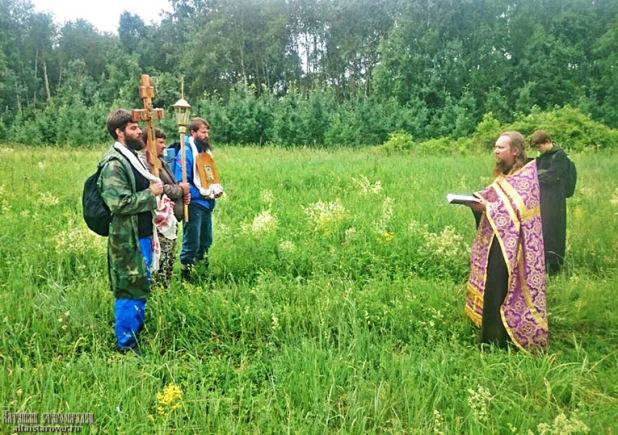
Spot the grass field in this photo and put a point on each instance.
(334, 304)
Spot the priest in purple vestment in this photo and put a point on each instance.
(506, 289)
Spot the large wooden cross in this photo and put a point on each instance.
(148, 114)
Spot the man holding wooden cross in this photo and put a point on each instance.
(130, 192)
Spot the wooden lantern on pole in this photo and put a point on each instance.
(182, 112)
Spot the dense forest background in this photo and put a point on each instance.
(312, 72)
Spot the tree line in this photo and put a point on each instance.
(312, 72)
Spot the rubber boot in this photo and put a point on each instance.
(186, 272)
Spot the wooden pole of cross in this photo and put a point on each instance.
(147, 115)
(183, 130)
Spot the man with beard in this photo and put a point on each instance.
(552, 165)
(131, 193)
(197, 232)
(506, 289)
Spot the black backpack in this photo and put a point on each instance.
(96, 213)
(570, 180)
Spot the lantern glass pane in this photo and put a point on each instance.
(182, 112)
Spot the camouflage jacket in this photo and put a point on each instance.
(126, 266)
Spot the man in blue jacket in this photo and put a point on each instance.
(197, 233)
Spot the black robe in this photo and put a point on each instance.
(552, 167)
(496, 288)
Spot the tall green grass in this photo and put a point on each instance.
(334, 303)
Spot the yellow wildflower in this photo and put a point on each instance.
(169, 399)
(387, 236)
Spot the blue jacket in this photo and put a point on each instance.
(196, 198)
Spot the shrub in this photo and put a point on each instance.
(569, 127)
(398, 141)
(486, 133)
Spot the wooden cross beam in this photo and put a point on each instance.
(148, 114)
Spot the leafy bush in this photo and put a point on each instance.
(568, 127)
(398, 141)
(440, 146)
(486, 133)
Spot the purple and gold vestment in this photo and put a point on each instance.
(512, 217)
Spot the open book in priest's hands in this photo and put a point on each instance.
(453, 198)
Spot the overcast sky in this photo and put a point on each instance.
(103, 14)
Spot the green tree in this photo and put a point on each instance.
(131, 30)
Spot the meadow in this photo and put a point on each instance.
(334, 304)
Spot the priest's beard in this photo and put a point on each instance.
(204, 145)
(134, 144)
(502, 168)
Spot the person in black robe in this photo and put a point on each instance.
(510, 155)
(552, 165)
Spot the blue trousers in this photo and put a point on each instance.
(197, 235)
(130, 313)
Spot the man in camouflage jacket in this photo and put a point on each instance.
(128, 255)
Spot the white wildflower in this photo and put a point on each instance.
(563, 426)
(267, 197)
(478, 401)
(365, 187)
(262, 223)
(350, 234)
(76, 239)
(381, 225)
(46, 199)
(275, 322)
(435, 314)
(326, 217)
(438, 421)
(416, 228)
(447, 244)
(287, 246)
